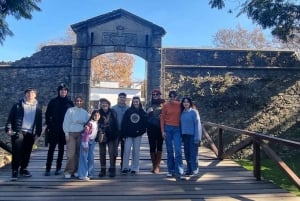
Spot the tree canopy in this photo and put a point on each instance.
(281, 16)
(115, 67)
(241, 38)
(17, 8)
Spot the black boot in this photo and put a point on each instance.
(112, 172)
(102, 172)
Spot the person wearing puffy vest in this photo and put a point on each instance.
(24, 125)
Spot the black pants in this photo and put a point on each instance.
(111, 145)
(60, 155)
(155, 138)
(21, 150)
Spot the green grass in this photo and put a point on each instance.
(272, 172)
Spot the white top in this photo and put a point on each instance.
(75, 119)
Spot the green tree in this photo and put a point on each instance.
(17, 8)
(281, 16)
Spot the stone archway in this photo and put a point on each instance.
(117, 31)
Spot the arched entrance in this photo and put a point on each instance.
(117, 31)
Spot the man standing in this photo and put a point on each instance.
(120, 109)
(24, 125)
(55, 114)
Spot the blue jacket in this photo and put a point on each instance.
(191, 124)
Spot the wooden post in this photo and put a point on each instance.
(220, 144)
(256, 159)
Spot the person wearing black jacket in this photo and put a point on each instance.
(109, 125)
(134, 125)
(154, 131)
(54, 115)
(24, 125)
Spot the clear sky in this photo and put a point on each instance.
(188, 23)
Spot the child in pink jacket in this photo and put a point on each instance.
(86, 157)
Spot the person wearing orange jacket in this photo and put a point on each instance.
(170, 128)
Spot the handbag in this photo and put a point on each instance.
(102, 138)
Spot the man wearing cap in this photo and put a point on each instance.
(54, 115)
(120, 109)
(170, 128)
(24, 125)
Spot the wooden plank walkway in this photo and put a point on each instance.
(217, 181)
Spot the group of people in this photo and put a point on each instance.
(71, 125)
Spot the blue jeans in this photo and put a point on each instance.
(190, 153)
(173, 142)
(86, 160)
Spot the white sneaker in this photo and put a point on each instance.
(182, 177)
(84, 178)
(67, 176)
(169, 174)
(195, 172)
(76, 174)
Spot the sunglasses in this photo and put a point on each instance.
(155, 94)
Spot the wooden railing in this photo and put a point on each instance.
(2, 144)
(259, 142)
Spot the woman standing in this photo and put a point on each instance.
(191, 134)
(153, 129)
(170, 127)
(73, 125)
(134, 125)
(109, 125)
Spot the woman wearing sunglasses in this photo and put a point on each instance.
(154, 131)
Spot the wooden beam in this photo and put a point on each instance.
(245, 143)
(260, 135)
(281, 164)
(210, 141)
(5, 147)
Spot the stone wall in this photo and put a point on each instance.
(229, 90)
(229, 58)
(259, 100)
(44, 71)
(263, 99)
